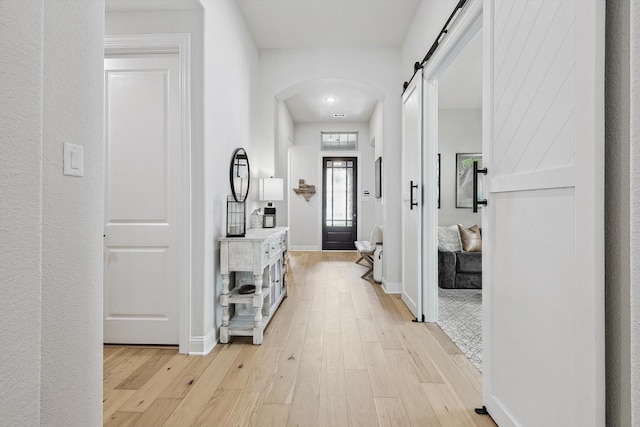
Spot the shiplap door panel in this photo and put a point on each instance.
(142, 198)
(412, 104)
(544, 225)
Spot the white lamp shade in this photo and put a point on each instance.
(271, 189)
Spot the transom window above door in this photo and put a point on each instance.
(339, 141)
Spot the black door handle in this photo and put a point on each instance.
(411, 202)
(476, 171)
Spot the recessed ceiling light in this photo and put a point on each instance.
(339, 115)
(329, 99)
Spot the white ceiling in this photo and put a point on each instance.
(310, 106)
(461, 84)
(328, 23)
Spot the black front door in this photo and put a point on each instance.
(339, 203)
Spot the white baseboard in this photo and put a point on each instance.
(391, 287)
(304, 248)
(202, 345)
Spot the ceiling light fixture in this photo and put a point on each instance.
(339, 115)
(330, 99)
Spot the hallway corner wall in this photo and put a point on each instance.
(21, 51)
(635, 211)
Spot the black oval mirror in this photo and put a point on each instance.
(239, 175)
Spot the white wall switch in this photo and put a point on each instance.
(73, 159)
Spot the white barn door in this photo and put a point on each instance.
(412, 100)
(142, 200)
(544, 224)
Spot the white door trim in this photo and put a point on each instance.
(179, 44)
(460, 32)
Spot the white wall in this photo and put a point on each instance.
(21, 31)
(427, 23)
(281, 69)
(635, 211)
(459, 131)
(230, 94)
(376, 134)
(51, 248)
(286, 138)
(305, 221)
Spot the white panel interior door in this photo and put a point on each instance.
(543, 253)
(412, 196)
(142, 200)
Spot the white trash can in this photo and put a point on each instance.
(377, 263)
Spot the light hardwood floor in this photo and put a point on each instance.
(339, 352)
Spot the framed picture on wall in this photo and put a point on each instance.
(464, 179)
(378, 177)
(438, 188)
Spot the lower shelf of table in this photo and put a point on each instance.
(242, 324)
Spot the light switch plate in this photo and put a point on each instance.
(73, 159)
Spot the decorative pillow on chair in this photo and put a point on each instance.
(471, 238)
(449, 239)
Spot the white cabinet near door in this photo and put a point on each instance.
(259, 258)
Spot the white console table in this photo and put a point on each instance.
(259, 258)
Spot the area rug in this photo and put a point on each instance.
(460, 312)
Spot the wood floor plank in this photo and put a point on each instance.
(386, 336)
(149, 392)
(147, 370)
(278, 329)
(119, 367)
(282, 380)
(414, 399)
(359, 296)
(253, 395)
(450, 372)
(332, 406)
(450, 411)
(351, 343)
(333, 354)
(367, 330)
(391, 412)
(273, 415)
(443, 339)
(113, 400)
(421, 364)
(360, 403)
(470, 372)
(158, 412)
(239, 373)
(196, 399)
(306, 398)
(180, 386)
(382, 383)
(110, 351)
(346, 302)
(219, 407)
(123, 419)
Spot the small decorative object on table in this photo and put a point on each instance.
(236, 218)
(256, 218)
(247, 289)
